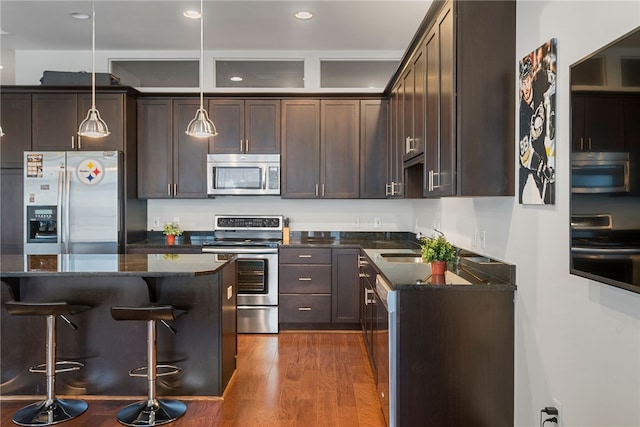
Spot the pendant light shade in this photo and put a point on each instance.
(201, 126)
(93, 126)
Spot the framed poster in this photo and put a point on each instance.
(537, 129)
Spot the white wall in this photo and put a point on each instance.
(577, 341)
(304, 215)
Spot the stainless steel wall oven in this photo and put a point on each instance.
(254, 240)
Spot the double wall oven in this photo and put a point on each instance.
(254, 239)
(603, 252)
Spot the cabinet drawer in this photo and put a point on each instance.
(305, 255)
(305, 308)
(305, 279)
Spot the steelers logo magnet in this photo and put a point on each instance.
(90, 172)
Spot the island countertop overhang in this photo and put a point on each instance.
(105, 265)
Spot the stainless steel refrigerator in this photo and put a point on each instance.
(73, 202)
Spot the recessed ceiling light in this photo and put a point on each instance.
(192, 14)
(303, 14)
(80, 15)
(236, 79)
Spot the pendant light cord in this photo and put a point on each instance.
(201, 53)
(93, 55)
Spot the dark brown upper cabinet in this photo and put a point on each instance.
(246, 126)
(339, 149)
(300, 168)
(413, 106)
(597, 122)
(320, 149)
(470, 99)
(440, 147)
(395, 145)
(171, 164)
(15, 114)
(56, 117)
(374, 137)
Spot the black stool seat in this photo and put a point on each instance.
(152, 411)
(160, 312)
(23, 308)
(51, 410)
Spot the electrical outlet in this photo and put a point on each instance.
(476, 237)
(355, 222)
(483, 239)
(558, 406)
(156, 222)
(377, 222)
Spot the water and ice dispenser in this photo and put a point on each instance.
(42, 224)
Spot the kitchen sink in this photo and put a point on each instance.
(481, 260)
(404, 258)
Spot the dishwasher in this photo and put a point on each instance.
(384, 347)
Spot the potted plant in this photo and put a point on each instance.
(171, 230)
(438, 251)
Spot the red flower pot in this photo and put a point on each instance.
(171, 239)
(438, 268)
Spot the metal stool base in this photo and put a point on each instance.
(43, 414)
(151, 412)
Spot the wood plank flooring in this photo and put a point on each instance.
(290, 379)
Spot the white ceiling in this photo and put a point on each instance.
(229, 25)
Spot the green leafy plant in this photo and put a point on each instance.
(171, 229)
(437, 249)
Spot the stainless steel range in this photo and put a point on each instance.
(254, 239)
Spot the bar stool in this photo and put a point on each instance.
(51, 410)
(153, 411)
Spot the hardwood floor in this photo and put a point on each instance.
(290, 379)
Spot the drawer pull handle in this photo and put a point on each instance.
(304, 308)
(304, 279)
(364, 275)
(304, 256)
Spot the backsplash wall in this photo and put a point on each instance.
(304, 215)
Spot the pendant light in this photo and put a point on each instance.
(201, 126)
(93, 126)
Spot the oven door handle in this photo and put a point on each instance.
(210, 250)
(606, 251)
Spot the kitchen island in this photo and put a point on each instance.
(204, 345)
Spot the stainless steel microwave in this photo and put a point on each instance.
(243, 174)
(599, 172)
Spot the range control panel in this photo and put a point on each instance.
(266, 222)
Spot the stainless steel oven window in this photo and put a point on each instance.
(252, 276)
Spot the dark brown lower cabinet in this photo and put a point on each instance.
(451, 352)
(319, 287)
(11, 211)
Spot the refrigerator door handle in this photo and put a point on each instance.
(67, 216)
(60, 210)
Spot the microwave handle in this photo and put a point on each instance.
(264, 177)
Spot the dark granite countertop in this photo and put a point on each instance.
(472, 271)
(153, 265)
